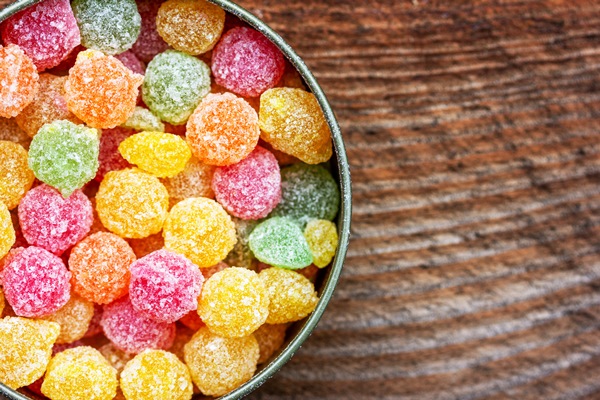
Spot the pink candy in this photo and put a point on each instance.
(149, 43)
(132, 62)
(109, 158)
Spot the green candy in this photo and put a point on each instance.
(64, 155)
(142, 120)
(279, 242)
(174, 85)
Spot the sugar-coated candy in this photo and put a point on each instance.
(251, 188)
(279, 241)
(191, 320)
(292, 121)
(322, 238)
(15, 176)
(11, 132)
(234, 302)
(132, 203)
(149, 42)
(164, 286)
(219, 365)
(95, 328)
(131, 332)
(101, 91)
(291, 295)
(156, 374)
(25, 349)
(100, 267)
(183, 335)
(54, 223)
(65, 155)
(115, 357)
(2, 302)
(131, 61)
(47, 32)
(19, 81)
(81, 373)
(246, 62)
(142, 119)
(201, 230)
(109, 158)
(158, 153)
(35, 282)
(74, 319)
(143, 247)
(191, 26)
(282, 158)
(223, 130)
(270, 338)
(111, 26)
(210, 271)
(194, 181)
(7, 232)
(174, 85)
(241, 255)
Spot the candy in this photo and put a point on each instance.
(74, 319)
(282, 158)
(149, 42)
(18, 81)
(156, 374)
(270, 338)
(164, 286)
(80, 374)
(292, 121)
(201, 230)
(241, 255)
(100, 267)
(1, 301)
(15, 176)
(191, 320)
(174, 85)
(109, 158)
(47, 32)
(184, 334)
(130, 60)
(145, 246)
(322, 238)
(279, 242)
(11, 132)
(246, 62)
(142, 119)
(95, 328)
(191, 26)
(115, 357)
(234, 302)
(132, 203)
(194, 181)
(208, 272)
(64, 155)
(160, 154)
(111, 26)
(219, 365)
(25, 349)
(101, 91)
(52, 222)
(251, 188)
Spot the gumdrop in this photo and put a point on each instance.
(19, 81)
(131, 61)
(115, 357)
(145, 246)
(149, 43)
(74, 319)
(322, 238)
(142, 119)
(241, 255)
(7, 232)
(109, 158)
(270, 338)
(11, 132)
(15, 176)
(194, 181)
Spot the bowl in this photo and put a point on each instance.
(301, 330)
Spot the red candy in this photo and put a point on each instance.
(149, 43)
(109, 158)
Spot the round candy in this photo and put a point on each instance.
(36, 282)
(251, 188)
(270, 338)
(149, 42)
(191, 320)
(109, 158)
(95, 328)
(111, 26)
(246, 62)
(100, 267)
(201, 230)
(234, 302)
(322, 238)
(115, 357)
(194, 181)
(15, 176)
(282, 158)
(19, 81)
(142, 119)
(145, 246)
(241, 255)
(223, 130)
(11, 132)
(208, 272)
(130, 60)
(292, 121)
(164, 286)
(132, 203)
(184, 334)
(191, 26)
(74, 319)
(174, 85)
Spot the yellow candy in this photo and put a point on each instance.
(194, 181)
(15, 176)
(156, 374)
(200, 229)
(74, 319)
(142, 119)
(7, 231)
(292, 296)
(219, 365)
(234, 302)
(115, 357)
(25, 349)
(160, 154)
(132, 203)
(269, 338)
(322, 239)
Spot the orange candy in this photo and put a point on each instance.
(19, 81)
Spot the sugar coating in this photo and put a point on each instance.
(101, 91)
(184, 334)
(174, 85)
(241, 255)
(270, 338)
(115, 357)
(279, 241)
(74, 319)
(7, 234)
(282, 158)
(130, 60)
(19, 81)
(156, 374)
(64, 155)
(191, 320)
(47, 32)
(149, 42)
(194, 181)
(322, 238)
(132, 203)
(94, 328)
(15, 176)
(109, 158)
(292, 121)
(208, 272)
(246, 62)
(191, 26)
(131, 332)
(100, 267)
(145, 246)
(200, 229)
(160, 154)
(251, 188)
(111, 26)
(234, 302)
(218, 365)
(143, 119)
(164, 286)
(80, 373)
(11, 132)
(25, 349)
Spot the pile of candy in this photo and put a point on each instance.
(165, 199)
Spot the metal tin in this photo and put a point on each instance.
(341, 168)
